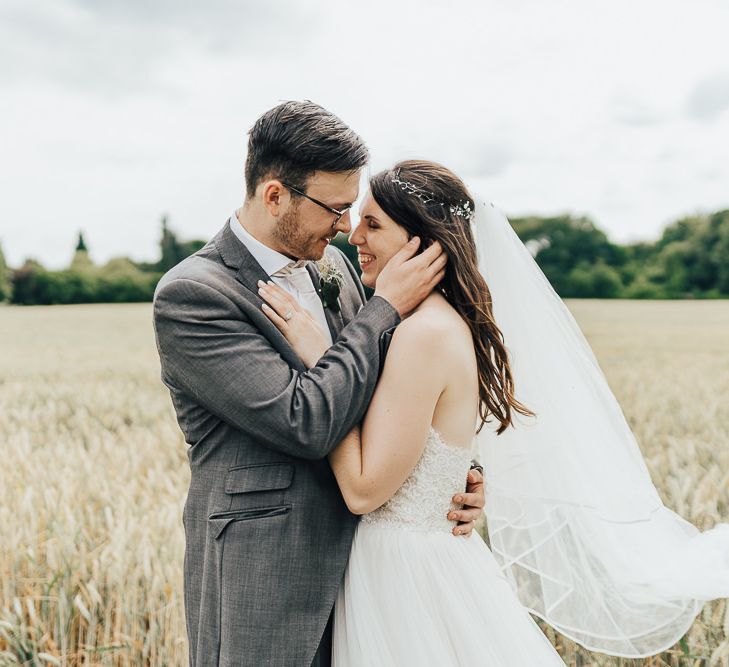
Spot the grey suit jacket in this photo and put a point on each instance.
(267, 531)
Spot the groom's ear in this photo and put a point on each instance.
(273, 196)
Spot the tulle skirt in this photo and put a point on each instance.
(429, 598)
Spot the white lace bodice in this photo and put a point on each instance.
(424, 499)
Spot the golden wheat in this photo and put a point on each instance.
(95, 473)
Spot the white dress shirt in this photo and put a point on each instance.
(288, 274)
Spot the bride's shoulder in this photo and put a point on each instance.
(428, 328)
(416, 349)
(427, 347)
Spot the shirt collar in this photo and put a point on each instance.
(271, 261)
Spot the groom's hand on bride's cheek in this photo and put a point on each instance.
(473, 501)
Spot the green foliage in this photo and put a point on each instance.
(5, 283)
(341, 241)
(120, 280)
(34, 285)
(81, 244)
(81, 262)
(172, 250)
(690, 260)
(600, 281)
(576, 256)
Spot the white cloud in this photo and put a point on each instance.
(115, 113)
(709, 97)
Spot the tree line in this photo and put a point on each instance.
(120, 280)
(689, 260)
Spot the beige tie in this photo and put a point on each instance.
(298, 278)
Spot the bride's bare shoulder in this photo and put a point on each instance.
(435, 325)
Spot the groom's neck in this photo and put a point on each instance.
(257, 225)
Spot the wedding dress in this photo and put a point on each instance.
(579, 535)
(414, 594)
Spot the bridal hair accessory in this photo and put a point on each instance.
(462, 210)
(412, 189)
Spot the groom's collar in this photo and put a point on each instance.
(238, 256)
(270, 260)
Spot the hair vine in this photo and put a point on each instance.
(461, 209)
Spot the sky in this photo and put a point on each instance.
(116, 112)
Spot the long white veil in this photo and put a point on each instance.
(573, 517)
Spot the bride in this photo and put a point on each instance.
(578, 534)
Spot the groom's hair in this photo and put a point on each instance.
(296, 139)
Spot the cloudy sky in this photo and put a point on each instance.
(114, 112)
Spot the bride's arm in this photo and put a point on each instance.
(372, 463)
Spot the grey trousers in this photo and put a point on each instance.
(323, 657)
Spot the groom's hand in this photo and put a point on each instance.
(406, 280)
(473, 501)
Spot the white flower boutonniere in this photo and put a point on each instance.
(330, 283)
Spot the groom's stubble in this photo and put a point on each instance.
(290, 234)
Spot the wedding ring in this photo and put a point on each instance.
(288, 316)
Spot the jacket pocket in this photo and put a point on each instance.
(259, 477)
(219, 521)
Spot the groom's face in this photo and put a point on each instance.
(305, 228)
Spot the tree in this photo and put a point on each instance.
(81, 245)
(81, 262)
(719, 252)
(121, 281)
(173, 251)
(169, 247)
(5, 278)
(596, 282)
(691, 259)
(26, 281)
(568, 249)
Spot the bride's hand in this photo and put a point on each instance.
(300, 329)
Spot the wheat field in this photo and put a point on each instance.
(94, 473)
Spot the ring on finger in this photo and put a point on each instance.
(288, 315)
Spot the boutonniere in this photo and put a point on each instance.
(330, 283)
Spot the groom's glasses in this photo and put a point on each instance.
(326, 207)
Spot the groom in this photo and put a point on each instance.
(267, 531)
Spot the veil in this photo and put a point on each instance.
(574, 520)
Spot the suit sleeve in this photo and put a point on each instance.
(213, 352)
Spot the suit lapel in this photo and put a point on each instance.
(248, 272)
(236, 256)
(334, 319)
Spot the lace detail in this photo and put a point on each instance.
(424, 499)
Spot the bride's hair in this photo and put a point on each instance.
(431, 202)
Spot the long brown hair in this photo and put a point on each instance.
(419, 195)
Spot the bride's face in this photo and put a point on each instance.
(377, 237)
